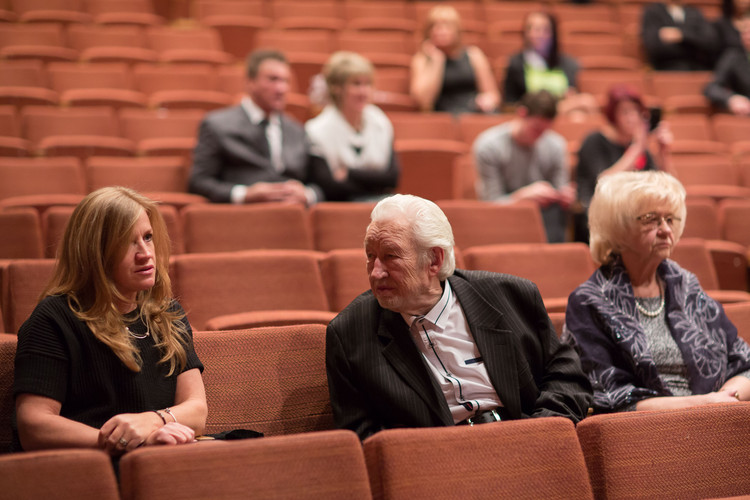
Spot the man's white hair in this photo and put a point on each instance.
(425, 222)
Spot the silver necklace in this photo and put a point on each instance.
(137, 336)
(654, 313)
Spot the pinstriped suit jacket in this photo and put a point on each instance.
(378, 379)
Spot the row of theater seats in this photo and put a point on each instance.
(251, 288)
(273, 380)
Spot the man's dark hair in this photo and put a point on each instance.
(541, 103)
(256, 58)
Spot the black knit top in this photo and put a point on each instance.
(58, 357)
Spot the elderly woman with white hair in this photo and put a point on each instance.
(353, 136)
(648, 335)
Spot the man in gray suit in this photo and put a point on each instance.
(254, 152)
(429, 345)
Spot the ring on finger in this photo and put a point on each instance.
(123, 442)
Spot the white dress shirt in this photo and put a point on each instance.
(445, 341)
(273, 135)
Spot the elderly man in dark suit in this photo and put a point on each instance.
(427, 346)
(254, 152)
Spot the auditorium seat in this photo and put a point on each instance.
(104, 43)
(54, 220)
(597, 62)
(339, 225)
(383, 49)
(730, 128)
(429, 168)
(309, 466)
(315, 14)
(79, 131)
(95, 85)
(66, 474)
(664, 84)
(51, 11)
(26, 281)
(702, 219)
(521, 459)
(125, 12)
(708, 175)
(381, 16)
(597, 45)
(690, 126)
(158, 173)
(22, 234)
(23, 82)
(272, 380)
(693, 254)
(598, 82)
(698, 452)
(39, 176)
(477, 223)
(344, 273)
(435, 126)
(739, 315)
(11, 142)
(187, 45)
(237, 23)
(217, 284)
(734, 219)
(227, 227)
(43, 42)
(512, 10)
(471, 125)
(557, 269)
(167, 85)
(162, 132)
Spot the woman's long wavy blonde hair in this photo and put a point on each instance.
(94, 243)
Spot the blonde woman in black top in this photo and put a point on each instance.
(106, 359)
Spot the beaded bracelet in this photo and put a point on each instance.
(160, 416)
(169, 411)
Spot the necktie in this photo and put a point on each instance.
(263, 147)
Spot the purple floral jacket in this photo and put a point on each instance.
(602, 324)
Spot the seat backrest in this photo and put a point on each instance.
(344, 276)
(339, 225)
(215, 284)
(429, 168)
(65, 76)
(151, 78)
(706, 169)
(478, 223)
(524, 459)
(557, 269)
(85, 36)
(734, 217)
(702, 219)
(36, 176)
(424, 126)
(21, 234)
(692, 254)
(140, 124)
(308, 466)
(225, 227)
(7, 401)
(164, 173)
(26, 280)
(272, 380)
(65, 474)
(669, 454)
(739, 315)
(45, 121)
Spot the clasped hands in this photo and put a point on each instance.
(128, 431)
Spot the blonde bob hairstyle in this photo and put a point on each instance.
(93, 245)
(342, 66)
(620, 198)
(444, 13)
(427, 224)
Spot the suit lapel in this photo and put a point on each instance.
(494, 337)
(253, 135)
(406, 360)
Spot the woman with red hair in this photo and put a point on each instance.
(622, 145)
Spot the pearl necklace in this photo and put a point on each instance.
(137, 336)
(654, 313)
